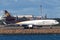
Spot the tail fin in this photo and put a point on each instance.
(7, 13)
(8, 16)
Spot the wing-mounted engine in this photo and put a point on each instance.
(29, 26)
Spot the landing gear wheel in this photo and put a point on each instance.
(26, 27)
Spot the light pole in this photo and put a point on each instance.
(41, 11)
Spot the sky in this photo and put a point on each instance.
(31, 7)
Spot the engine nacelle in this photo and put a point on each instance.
(27, 26)
(30, 26)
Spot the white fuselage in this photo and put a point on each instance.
(39, 22)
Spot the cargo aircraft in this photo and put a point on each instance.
(27, 23)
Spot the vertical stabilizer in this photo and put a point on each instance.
(9, 17)
(7, 13)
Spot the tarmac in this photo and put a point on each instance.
(35, 30)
